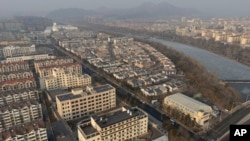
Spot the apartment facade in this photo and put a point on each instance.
(198, 111)
(52, 62)
(19, 95)
(63, 79)
(81, 102)
(245, 40)
(32, 131)
(121, 124)
(15, 42)
(19, 112)
(17, 84)
(68, 67)
(15, 75)
(14, 66)
(26, 58)
(11, 51)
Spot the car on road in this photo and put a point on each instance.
(172, 121)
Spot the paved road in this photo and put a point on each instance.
(51, 136)
(246, 121)
(223, 126)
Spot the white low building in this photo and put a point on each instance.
(197, 110)
(27, 57)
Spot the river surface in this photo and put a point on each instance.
(226, 69)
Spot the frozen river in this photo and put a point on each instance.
(226, 69)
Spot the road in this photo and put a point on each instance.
(50, 133)
(223, 126)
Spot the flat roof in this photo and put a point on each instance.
(189, 102)
(54, 93)
(96, 89)
(103, 88)
(116, 117)
(88, 130)
(68, 97)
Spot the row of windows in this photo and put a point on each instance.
(15, 99)
(18, 86)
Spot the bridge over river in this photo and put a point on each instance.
(236, 81)
(235, 74)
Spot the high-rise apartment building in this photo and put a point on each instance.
(81, 102)
(122, 124)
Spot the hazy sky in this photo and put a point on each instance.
(42, 7)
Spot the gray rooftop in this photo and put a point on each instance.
(189, 102)
(102, 88)
(68, 97)
(88, 130)
(95, 90)
(116, 117)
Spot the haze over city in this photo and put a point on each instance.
(42, 8)
(118, 70)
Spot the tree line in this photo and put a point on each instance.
(199, 80)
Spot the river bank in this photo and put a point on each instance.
(226, 69)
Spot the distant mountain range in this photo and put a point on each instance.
(146, 10)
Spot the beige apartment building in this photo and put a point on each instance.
(18, 95)
(245, 40)
(234, 39)
(68, 67)
(16, 42)
(198, 111)
(27, 58)
(220, 37)
(13, 66)
(15, 75)
(81, 102)
(32, 131)
(52, 62)
(61, 79)
(19, 113)
(17, 84)
(122, 124)
(11, 51)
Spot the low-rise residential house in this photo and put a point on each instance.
(154, 90)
